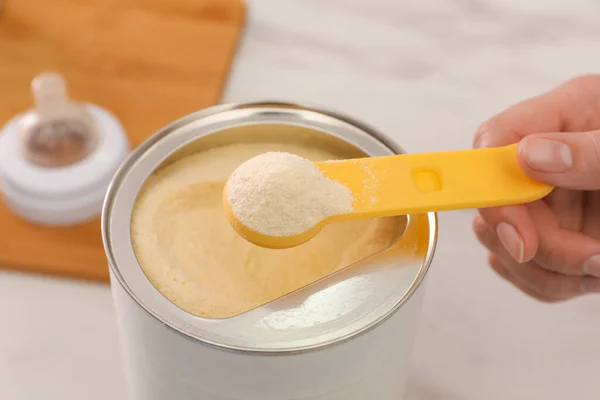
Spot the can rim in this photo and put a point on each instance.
(181, 122)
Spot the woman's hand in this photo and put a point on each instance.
(550, 248)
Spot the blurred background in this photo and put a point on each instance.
(426, 73)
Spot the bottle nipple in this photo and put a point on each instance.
(57, 132)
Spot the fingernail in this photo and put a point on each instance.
(511, 240)
(592, 266)
(590, 285)
(546, 155)
(482, 140)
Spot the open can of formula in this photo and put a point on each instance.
(204, 314)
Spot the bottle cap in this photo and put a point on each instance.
(57, 132)
(57, 159)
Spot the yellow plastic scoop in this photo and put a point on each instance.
(413, 183)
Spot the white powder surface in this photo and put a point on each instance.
(282, 194)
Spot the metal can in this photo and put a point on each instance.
(347, 336)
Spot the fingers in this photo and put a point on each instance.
(539, 250)
(567, 160)
(484, 233)
(573, 106)
(560, 250)
(505, 272)
(562, 108)
(590, 225)
(529, 277)
(515, 229)
(511, 125)
(568, 206)
(490, 239)
(541, 284)
(563, 250)
(570, 159)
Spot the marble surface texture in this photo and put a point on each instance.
(426, 73)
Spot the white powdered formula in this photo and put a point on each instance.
(282, 194)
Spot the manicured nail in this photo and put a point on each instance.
(592, 266)
(482, 140)
(546, 155)
(511, 240)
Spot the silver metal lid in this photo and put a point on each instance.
(327, 312)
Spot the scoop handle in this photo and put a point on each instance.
(425, 182)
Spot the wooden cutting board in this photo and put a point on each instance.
(147, 61)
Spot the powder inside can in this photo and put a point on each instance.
(282, 194)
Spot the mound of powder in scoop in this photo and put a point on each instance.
(282, 194)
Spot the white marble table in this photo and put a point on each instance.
(427, 73)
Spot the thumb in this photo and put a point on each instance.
(567, 160)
